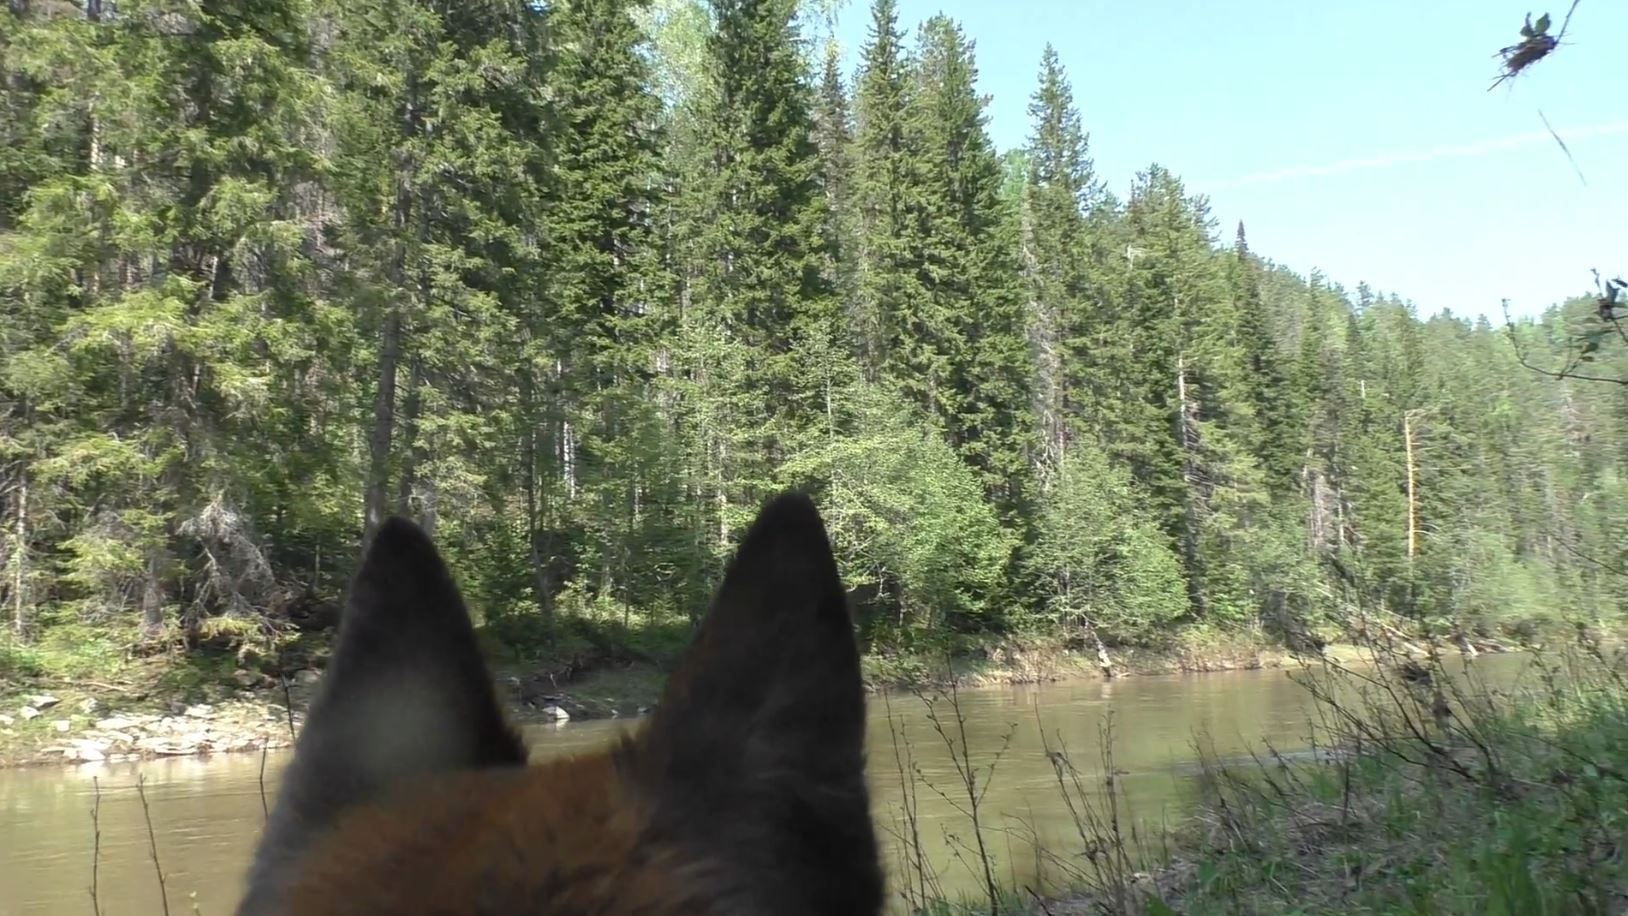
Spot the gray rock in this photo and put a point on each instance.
(556, 713)
(89, 705)
(200, 711)
(61, 725)
(28, 712)
(307, 677)
(6, 720)
(43, 701)
(115, 723)
(88, 751)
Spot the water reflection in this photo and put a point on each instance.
(207, 812)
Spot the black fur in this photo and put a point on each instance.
(405, 695)
(754, 763)
(758, 750)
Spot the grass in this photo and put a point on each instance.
(1428, 791)
(1448, 797)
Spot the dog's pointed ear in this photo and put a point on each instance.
(757, 750)
(405, 695)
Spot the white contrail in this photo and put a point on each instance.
(1478, 148)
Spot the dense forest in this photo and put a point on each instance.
(578, 284)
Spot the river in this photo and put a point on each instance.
(206, 813)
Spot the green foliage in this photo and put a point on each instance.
(907, 518)
(578, 284)
(1525, 828)
(1102, 559)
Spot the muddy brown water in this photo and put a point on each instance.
(206, 813)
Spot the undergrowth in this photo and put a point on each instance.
(1426, 790)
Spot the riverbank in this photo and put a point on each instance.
(67, 722)
(207, 810)
(220, 703)
(195, 705)
(1434, 793)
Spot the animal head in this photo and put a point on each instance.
(743, 794)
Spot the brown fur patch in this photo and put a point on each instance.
(744, 794)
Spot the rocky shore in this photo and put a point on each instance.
(79, 726)
(249, 710)
(44, 728)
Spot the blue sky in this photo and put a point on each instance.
(1356, 138)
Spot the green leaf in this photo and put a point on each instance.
(1542, 28)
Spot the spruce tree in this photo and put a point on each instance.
(162, 245)
(833, 123)
(1277, 430)
(960, 350)
(764, 325)
(1061, 191)
(441, 165)
(593, 342)
(887, 173)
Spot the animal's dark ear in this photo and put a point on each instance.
(756, 754)
(406, 694)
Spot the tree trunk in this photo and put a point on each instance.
(152, 595)
(1104, 660)
(1413, 482)
(429, 509)
(566, 400)
(1045, 340)
(1187, 436)
(412, 403)
(529, 423)
(19, 559)
(377, 497)
(376, 494)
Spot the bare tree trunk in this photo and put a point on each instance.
(429, 507)
(152, 595)
(1187, 436)
(412, 403)
(722, 496)
(530, 483)
(377, 496)
(19, 558)
(1413, 483)
(376, 493)
(1104, 660)
(1045, 340)
(566, 398)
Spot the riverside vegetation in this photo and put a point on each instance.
(577, 284)
(1425, 790)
